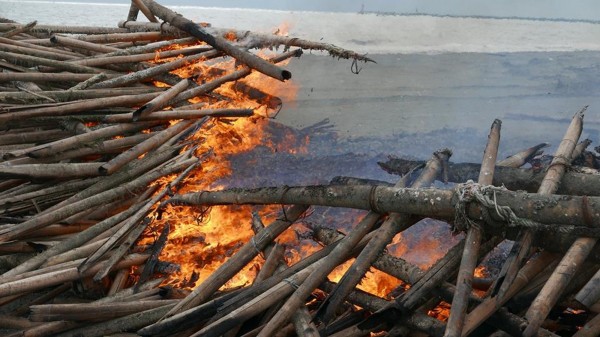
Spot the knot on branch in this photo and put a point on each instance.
(485, 196)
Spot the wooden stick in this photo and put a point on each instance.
(219, 43)
(157, 248)
(460, 302)
(238, 261)
(303, 324)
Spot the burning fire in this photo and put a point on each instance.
(200, 240)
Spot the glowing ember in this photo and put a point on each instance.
(441, 311)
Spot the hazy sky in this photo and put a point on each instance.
(574, 9)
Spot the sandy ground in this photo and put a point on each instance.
(413, 104)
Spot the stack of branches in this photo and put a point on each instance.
(551, 270)
(84, 137)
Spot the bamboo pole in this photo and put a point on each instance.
(133, 225)
(395, 223)
(589, 295)
(142, 7)
(219, 43)
(127, 37)
(163, 99)
(549, 294)
(238, 261)
(339, 255)
(79, 106)
(220, 308)
(49, 29)
(151, 143)
(460, 302)
(130, 172)
(258, 304)
(79, 44)
(71, 95)
(154, 71)
(51, 171)
(19, 30)
(58, 277)
(426, 202)
(51, 55)
(46, 77)
(101, 60)
(34, 60)
(91, 311)
(590, 329)
(81, 205)
(52, 148)
(167, 115)
(72, 55)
